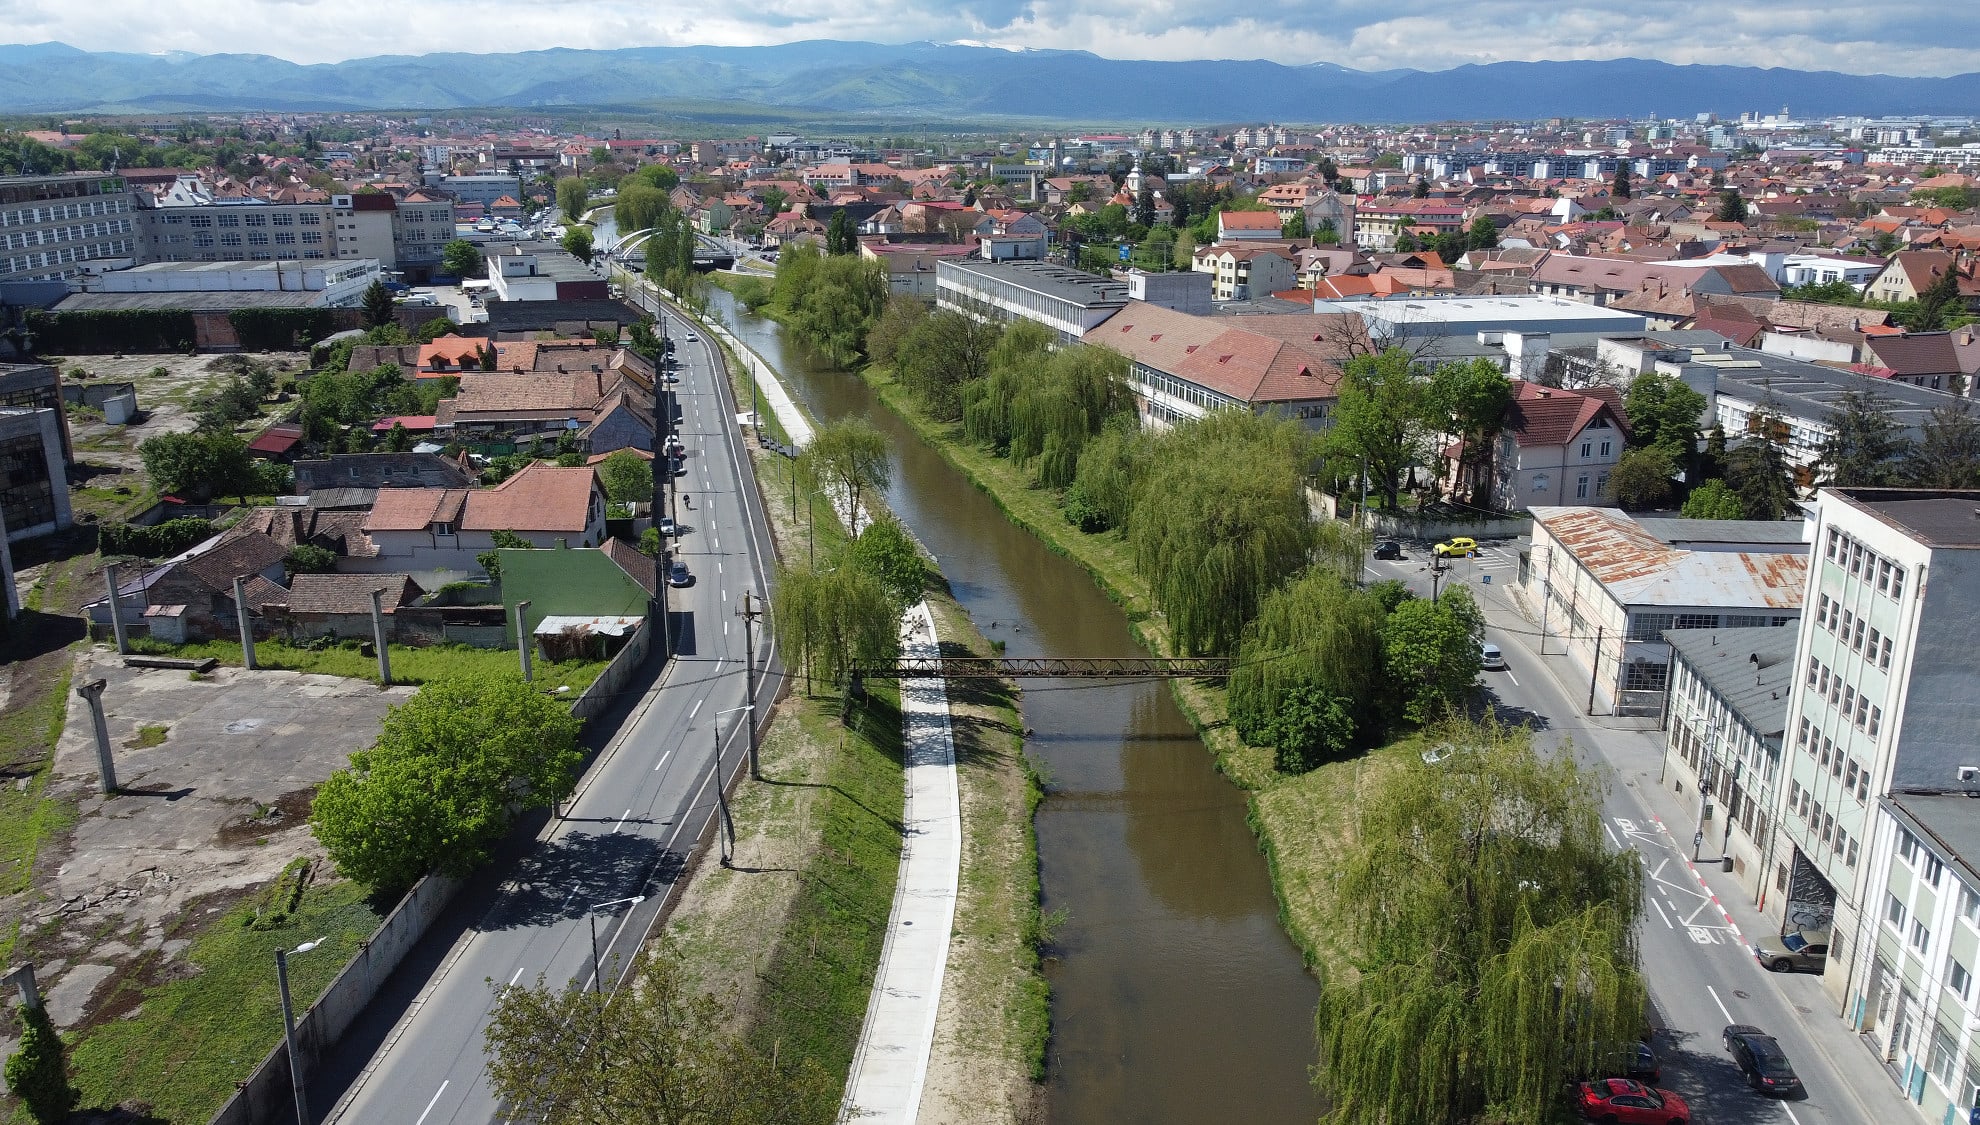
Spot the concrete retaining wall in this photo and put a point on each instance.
(1390, 525)
(597, 698)
(267, 1097)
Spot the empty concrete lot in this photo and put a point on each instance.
(217, 802)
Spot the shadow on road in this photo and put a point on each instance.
(565, 878)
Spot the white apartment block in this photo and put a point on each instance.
(51, 225)
(188, 224)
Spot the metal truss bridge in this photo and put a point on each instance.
(1076, 668)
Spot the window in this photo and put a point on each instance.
(1863, 786)
(230, 238)
(230, 220)
(1801, 733)
(1894, 911)
(285, 219)
(1876, 636)
(1884, 578)
(1856, 640)
(1944, 1052)
(311, 218)
(1824, 689)
(1848, 701)
(1834, 540)
(1897, 582)
(1920, 936)
(257, 220)
(285, 238)
(1876, 721)
(257, 238)
(1605, 449)
(1697, 620)
(1969, 906)
(1814, 669)
(1909, 847)
(1849, 775)
(1822, 611)
(1828, 826)
(1856, 558)
(1581, 483)
(1848, 619)
(1884, 657)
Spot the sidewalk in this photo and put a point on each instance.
(891, 1061)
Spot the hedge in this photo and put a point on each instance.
(281, 329)
(153, 541)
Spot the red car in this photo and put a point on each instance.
(1631, 1103)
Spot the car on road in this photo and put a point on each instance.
(1760, 1058)
(1388, 549)
(670, 378)
(1786, 953)
(1628, 1102)
(1491, 658)
(1460, 547)
(667, 526)
(1642, 1064)
(677, 575)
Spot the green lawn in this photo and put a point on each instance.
(189, 1041)
(409, 665)
(27, 815)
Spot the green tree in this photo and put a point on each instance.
(849, 459)
(774, 200)
(1294, 227)
(1483, 234)
(577, 243)
(834, 618)
(198, 466)
(1406, 243)
(1947, 453)
(491, 561)
(1491, 932)
(461, 258)
(1619, 188)
(885, 551)
(1938, 302)
(398, 439)
(944, 353)
(1378, 421)
(1144, 205)
(1732, 208)
(450, 771)
(1431, 653)
(1470, 401)
(1713, 500)
(897, 321)
(378, 306)
(1864, 446)
(1422, 188)
(1311, 656)
(1642, 478)
(572, 195)
(308, 558)
(1757, 469)
(840, 237)
(1663, 412)
(652, 1052)
(627, 477)
(1215, 530)
(38, 1070)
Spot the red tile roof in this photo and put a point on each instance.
(1253, 359)
(276, 440)
(412, 509)
(1553, 416)
(542, 497)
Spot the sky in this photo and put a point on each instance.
(1905, 37)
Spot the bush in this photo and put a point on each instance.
(307, 558)
(282, 329)
(108, 331)
(38, 1073)
(154, 541)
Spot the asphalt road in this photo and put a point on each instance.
(1700, 973)
(638, 814)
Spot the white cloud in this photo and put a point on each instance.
(1908, 37)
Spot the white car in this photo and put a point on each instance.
(1490, 658)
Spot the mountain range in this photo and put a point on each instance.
(924, 81)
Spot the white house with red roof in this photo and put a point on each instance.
(1235, 225)
(1558, 446)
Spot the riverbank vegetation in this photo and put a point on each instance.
(1338, 692)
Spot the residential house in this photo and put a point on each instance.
(339, 605)
(1911, 272)
(1608, 585)
(417, 530)
(380, 470)
(1558, 446)
(1011, 236)
(1233, 226)
(1242, 272)
(1923, 359)
(605, 410)
(191, 596)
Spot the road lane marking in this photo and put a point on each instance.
(662, 761)
(725, 595)
(692, 711)
(622, 821)
(574, 893)
(517, 977)
(1509, 676)
(1790, 1112)
(1664, 916)
(1714, 993)
(1613, 838)
(725, 628)
(429, 1105)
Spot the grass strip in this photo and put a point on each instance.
(409, 665)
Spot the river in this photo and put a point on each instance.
(1176, 997)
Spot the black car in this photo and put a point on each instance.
(1642, 1064)
(1761, 1060)
(1388, 549)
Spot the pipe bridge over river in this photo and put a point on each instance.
(1054, 668)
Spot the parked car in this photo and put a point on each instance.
(1490, 658)
(667, 526)
(1461, 547)
(1642, 1064)
(1786, 953)
(1388, 549)
(677, 575)
(1629, 1102)
(1760, 1058)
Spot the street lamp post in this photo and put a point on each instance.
(721, 793)
(289, 1026)
(592, 915)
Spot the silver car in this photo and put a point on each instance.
(1787, 953)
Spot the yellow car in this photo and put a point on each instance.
(1460, 547)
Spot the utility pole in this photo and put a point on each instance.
(1437, 569)
(721, 786)
(1594, 667)
(247, 630)
(116, 610)
(522, 639)
(749, 613)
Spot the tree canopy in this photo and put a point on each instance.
(461, 258)
(1864, 445)
(849, 459)
(451, 769)
(1663, 413)
(1377, 421)
(627, 477)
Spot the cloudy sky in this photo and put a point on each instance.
(1908, 37)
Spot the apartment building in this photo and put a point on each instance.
(51, 225)
(1069, 302)
(188, 223)
(1882, 702)
(1240, 273)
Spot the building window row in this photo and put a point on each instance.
(1834, 760)
(1821, 823)
(1862, 562)
(1919, 858)
(1855, 706)
(1856, 632)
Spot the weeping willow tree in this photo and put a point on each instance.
(1219, 519)
(834, 618)
(986, 403)
(1061, 408)
(1316, 644)
(1103, 489)
(1494, 938)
